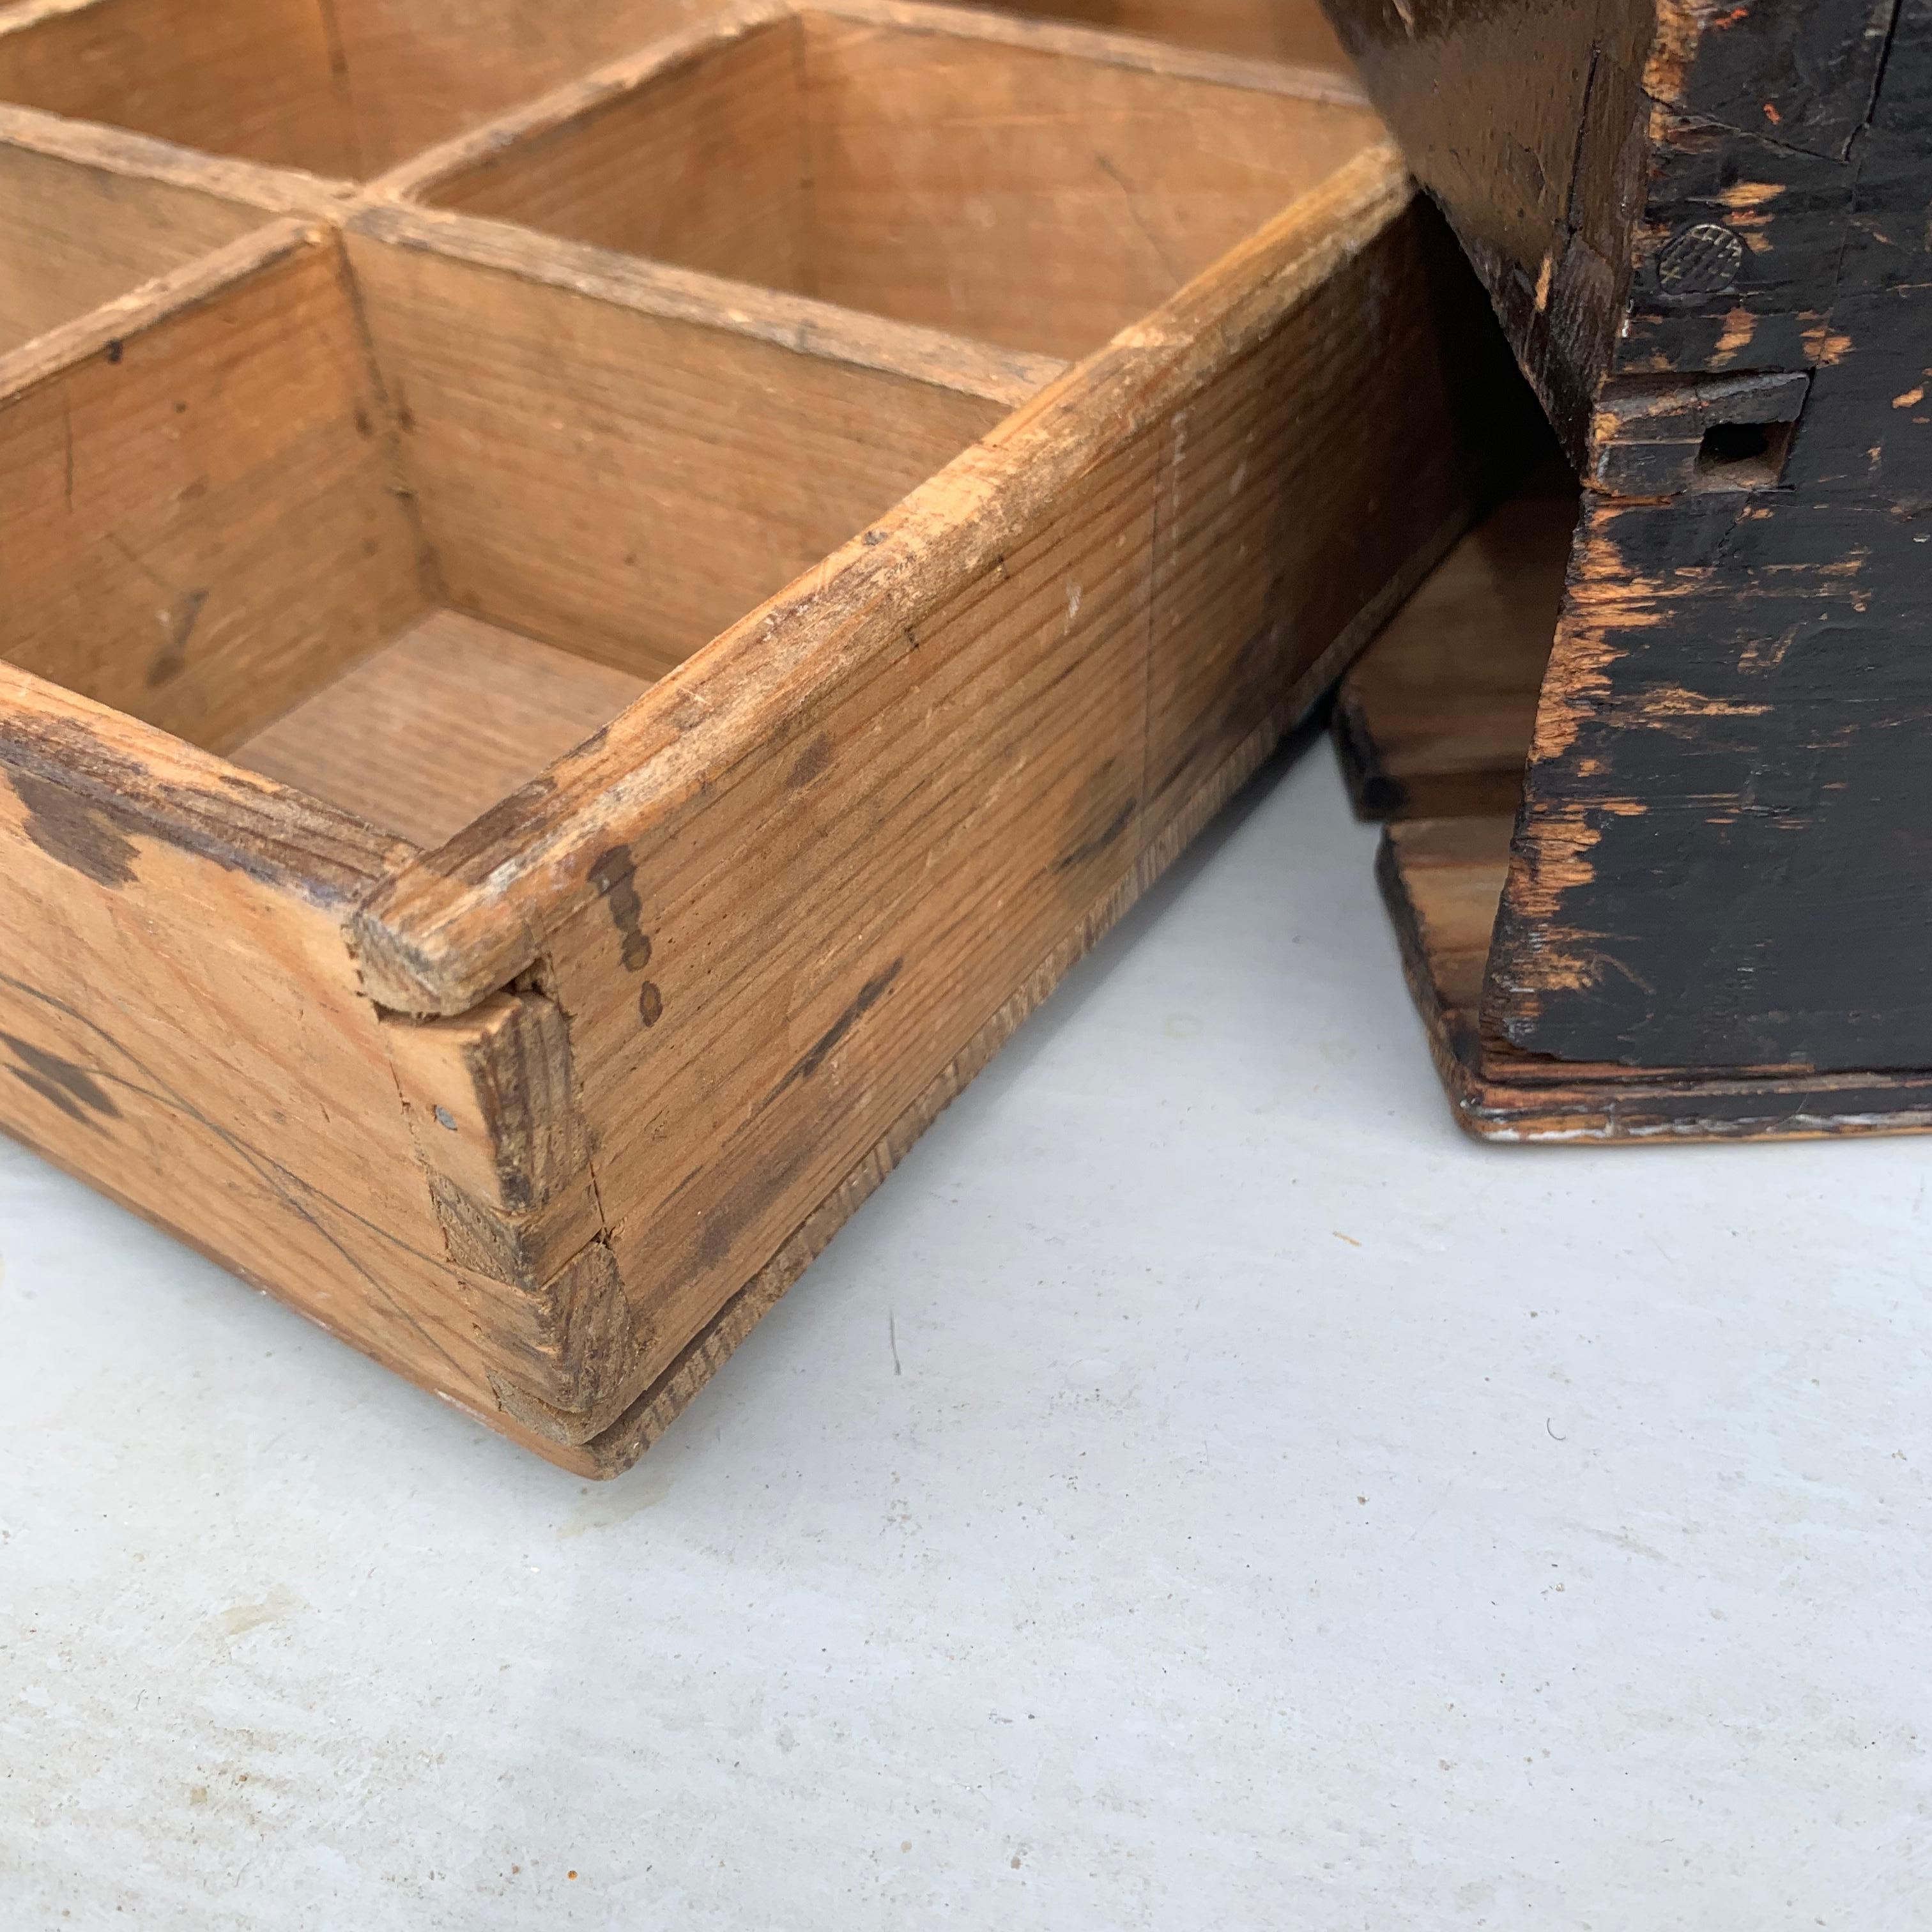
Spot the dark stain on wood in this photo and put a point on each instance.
(74, 831)
(811, 763)
(171, 659)
(615, 875)
(72, 1089)
(827, 1043)
(1108, 836)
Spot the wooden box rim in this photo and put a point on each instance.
(436, 931)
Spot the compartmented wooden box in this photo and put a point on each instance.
(560, 701)
(1657, 751)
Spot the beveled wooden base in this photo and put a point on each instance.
(1441, 879)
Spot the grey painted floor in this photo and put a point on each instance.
(1200, 1490)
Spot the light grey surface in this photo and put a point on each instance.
(1200, 1490)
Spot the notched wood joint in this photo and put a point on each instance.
(1652, 439)
(575, 1363)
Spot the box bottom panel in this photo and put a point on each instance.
(435, 727)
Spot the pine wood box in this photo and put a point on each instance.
(573, 667)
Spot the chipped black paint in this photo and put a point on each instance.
(1726, 841)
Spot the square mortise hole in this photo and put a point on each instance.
(1033, 199)
(1743, 455)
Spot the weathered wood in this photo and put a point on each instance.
(1704, 228)
(1030, 186)
(950, 647)
(432, 729)
(1442, 879)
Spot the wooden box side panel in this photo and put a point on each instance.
(1033, 198)
(627, 484)
(255, 78)
(181, 1025)
(756, 996)
(703, 163)
(1308, 486)
(419, 71)
(198, 519)
(73, 237)
(788, 974)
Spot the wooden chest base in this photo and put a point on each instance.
(1432, 729)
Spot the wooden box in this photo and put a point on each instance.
(1659, 752)
(560, 702)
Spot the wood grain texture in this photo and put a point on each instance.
(199, 523)
(436, 727)
(1019, 188)
(260, 79)
(623, 482)
(1434, 719)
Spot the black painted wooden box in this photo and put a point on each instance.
(1671, 874)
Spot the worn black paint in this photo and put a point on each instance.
(1750, 761)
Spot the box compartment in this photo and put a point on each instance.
(537, 1059)
(407, 585)
(962, 179)
(342, 88)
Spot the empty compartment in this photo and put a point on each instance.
(947, 175)
(407, 591)
(74, 236)
(345, 88)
